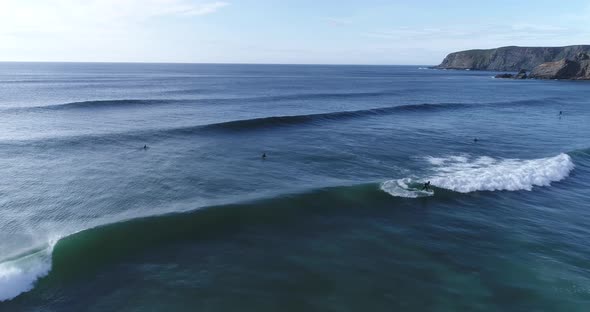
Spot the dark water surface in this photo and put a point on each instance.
(334, 219)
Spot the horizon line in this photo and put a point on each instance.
(216, 63)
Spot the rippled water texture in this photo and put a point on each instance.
(141, 187)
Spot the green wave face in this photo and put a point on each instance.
(86, 253)
(88, 250)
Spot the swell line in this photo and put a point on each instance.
(278, 121)
(121, 103)
(105, 104)
(235, 125)
(127, 103)
(270, 122)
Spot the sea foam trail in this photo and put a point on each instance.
(402, 188)
(466, 174)
(19, 275)
(457, 173)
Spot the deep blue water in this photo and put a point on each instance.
(334, 219)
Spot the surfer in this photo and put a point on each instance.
(263, 155)
(426, 186)
(475, 140)
(145, 147)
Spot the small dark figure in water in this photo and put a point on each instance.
(426, 186)
(475, 140)
(263, 155)
(560, 114)
(145, 147)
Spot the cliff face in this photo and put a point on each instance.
(510, 58)
(576, 68)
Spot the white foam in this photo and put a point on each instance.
(463, 174)
(466, 174)
(435, 160)
(18, 276)
(401, 188)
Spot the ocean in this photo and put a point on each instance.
(142, 187)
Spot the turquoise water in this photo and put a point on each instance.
(334, 219)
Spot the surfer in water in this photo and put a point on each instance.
(145, 147)
(263, 155)
(426, 186)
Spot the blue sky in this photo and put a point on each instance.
(282, 31)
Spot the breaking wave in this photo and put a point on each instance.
(406, 187)
(20, 274)
(453, 175)
(465, 174)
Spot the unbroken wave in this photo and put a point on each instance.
(320, 118)
(120, 103)
(106, 104)
(239, 125)
(127, 103)
(297, 96)
(250, 124)
(278, 121)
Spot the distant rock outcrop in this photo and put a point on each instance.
(521, 75)
(504, 76)
(510, 58)
(577, 67)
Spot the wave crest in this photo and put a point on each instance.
(19, 275)
(405, 187)
(85, 249)
(466, 174)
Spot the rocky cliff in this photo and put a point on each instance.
(510, 58)
(577, 67)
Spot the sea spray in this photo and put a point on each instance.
(19, 275)
(466, 174)
(489, 174)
